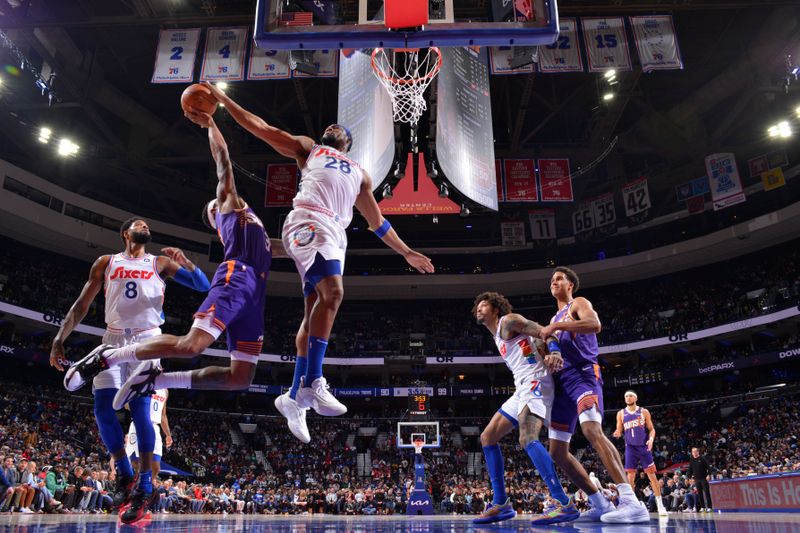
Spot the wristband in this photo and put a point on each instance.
(552, 346)
(383, 229)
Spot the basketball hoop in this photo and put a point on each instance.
(405, 73)
(418, 445)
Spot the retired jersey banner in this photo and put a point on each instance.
(772, 179)
(564, 55)
(520, 180)
(225, 51)
(543, 224)
(268, 64)
(513, 233)
(604, 211)
(583, 219)
(636, 197)
(175, 56)
(606, 43)
(724, 181)
(656, 42)
(281, 185)
(327, 63)
(555, 180)
(501, 61)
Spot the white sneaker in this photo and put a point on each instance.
(627, 513)
(594, 513)
(295, 416)
(25, 510)
(662, 511)
(318, 397)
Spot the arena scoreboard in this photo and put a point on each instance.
(418, 405)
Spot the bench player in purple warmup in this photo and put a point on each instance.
(235, 302)
(637, 426)
(579, 398)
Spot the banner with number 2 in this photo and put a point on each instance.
(175, 56)
(224, 56)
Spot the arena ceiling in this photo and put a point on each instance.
(140, 154)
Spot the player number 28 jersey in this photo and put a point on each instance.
(134, 294)
(522, 358)
(332, 181)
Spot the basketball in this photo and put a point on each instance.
(199, 98)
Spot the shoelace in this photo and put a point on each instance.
(322, 387)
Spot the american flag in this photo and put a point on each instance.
(298, 18)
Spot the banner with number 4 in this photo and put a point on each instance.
(224, 56)
(175, 56)
(606, 43)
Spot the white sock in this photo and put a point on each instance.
(626, 493)
(126, 354)
(174, 380)
(597, 500)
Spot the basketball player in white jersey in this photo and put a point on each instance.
(134, 293)
(158, 416)
(528, 409)
(314, 237)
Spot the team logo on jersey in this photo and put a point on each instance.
(536, 388)
(527, 351)
(503, 350)
(304, 235)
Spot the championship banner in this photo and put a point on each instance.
(268, 64)
(501, 59)
(281, 185)
(656, 43)
(564, 55)
(696, 205)
(543, 224)
(224, 56)
(606, 43)
(772, 179)
(513, 233)
(175, 56)
(520, 180)
(771, 493)
(327, 63)
(498, 172)
(723, 178)
(604, 211)
(555, 180)
(690, 189)
(636, 197)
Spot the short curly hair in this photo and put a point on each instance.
(496, 300)
(126, 226)
(571, 275)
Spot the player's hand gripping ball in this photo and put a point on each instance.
(198, 97)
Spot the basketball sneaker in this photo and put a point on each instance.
(295, 416)
(319, 398)
(496, 513)
(628, 512)
(141, 383)
(594, 513)
(140, 502)
(122, 494)
(557, 514)
(80, 372)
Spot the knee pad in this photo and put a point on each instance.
(591, 415)
(145, 434)
(107, 423)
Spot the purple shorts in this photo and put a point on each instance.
(636, 456)
(577, 389)
(236, 302)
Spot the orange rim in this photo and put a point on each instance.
(411, 81)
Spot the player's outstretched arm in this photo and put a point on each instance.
(174, 264)
(79, 309)
(295, 146)
(368, 207)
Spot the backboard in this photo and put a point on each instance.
(408, 432)
(346, 24)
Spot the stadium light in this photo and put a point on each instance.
(608, 96)
(44, 135)
(610, 74)
(221, 85)
(797, 111)
(784, 129)
(67, 148)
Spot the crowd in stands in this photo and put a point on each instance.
(53, 460)
(685, 301)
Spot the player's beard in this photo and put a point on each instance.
(330, 140)
(140, 237)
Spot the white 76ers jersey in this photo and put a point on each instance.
(332, 181)
(157, 401)
(522, 358)
(134, 294)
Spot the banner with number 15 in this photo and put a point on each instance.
(224, 56)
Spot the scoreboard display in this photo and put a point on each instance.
(418, 405)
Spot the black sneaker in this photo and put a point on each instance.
(141, 383)
(122, 494)
(79, 373)
(140, 503)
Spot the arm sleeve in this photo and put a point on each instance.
(195, 280)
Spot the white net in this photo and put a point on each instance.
(406, 74)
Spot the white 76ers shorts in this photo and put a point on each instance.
(132, 444)
(537, 395)
(114, 377)
(306, 233)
